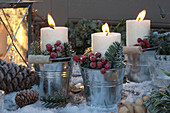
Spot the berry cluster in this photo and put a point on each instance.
(56, 50)
(143, 43)
(93, 61)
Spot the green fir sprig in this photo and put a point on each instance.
(59, 99)
(114, 54)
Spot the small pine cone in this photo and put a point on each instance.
(26, 97)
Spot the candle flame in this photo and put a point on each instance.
(105, 28)
(51, 21)
(141, 15)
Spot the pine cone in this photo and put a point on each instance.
(15, 78)
(26, 97)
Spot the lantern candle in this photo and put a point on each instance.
(138, 28)
(52, 34)
(102, 40)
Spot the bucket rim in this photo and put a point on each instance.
(121, 67)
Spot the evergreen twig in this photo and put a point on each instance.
(114, 54)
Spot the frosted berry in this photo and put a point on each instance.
(93, 64)
(98, 54)
(62, 46)
(107, 66)
(103, 61)
(82, 58)
(103, 70)
(58, 49)
(136, 45)
(143, 47)
(93, 58)
(99, 64)
(53, 55)
(90, 54)
(139, 40)
(49, 47)
(58, 42)
(148, 45)
(145, 40)
(50, 53)
(109, 63)
(76, 58)
(142, 44)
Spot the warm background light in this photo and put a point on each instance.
(105, 28)
(141, 15)
(51, 20)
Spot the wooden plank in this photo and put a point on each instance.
(43, 7)
(59, 11)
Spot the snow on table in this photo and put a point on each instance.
(131, 91)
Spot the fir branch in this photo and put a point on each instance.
(59, 99)
(35, 48)
(114, 54)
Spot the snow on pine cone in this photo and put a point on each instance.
(26, 97)
(15, 78)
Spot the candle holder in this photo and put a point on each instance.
(137, 68)
(2, 97)
(103, 90)
(54, 78)
(157, 63)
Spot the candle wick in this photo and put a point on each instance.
(107, 34)
(52, 27)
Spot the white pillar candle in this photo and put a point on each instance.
(136, 29)
(50, 36)
(101, 42)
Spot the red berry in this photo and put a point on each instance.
(143, 47)
(93, 58)
(109, 63)
(50, 53)
(53, 55)
(58, 42)
(103, 61)
(99, 64)
(93, 64)
(136, 45)
(82, 58)
(62, 46)
(107, 66)
(142, 44)
(103, 70)
(139, 40)
(76, 58)
(90, 54)
(98, 54)
(49, 47)
(145, 40)
(148, 45)
(58, 49)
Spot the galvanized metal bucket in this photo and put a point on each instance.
(103, 90)
(137, 68)
(157, 63)
(54, 78)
